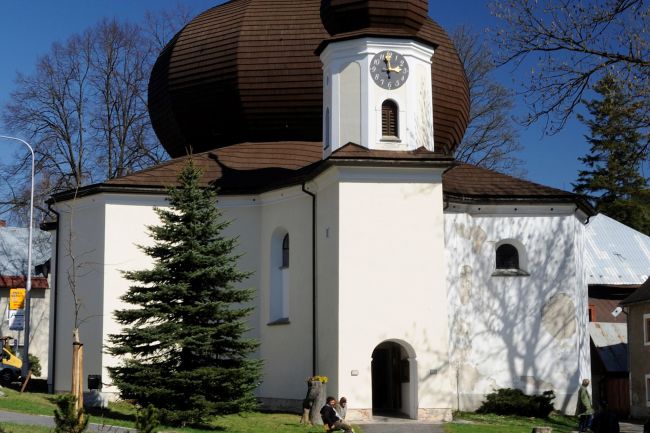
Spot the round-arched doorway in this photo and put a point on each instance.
(394, 380)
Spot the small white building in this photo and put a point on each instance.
(14, 243)
(415, 284)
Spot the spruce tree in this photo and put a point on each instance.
(183, 347)
(612, 179)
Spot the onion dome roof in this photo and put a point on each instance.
(342, 16)
(247, 71)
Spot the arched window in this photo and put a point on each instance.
(278, 300)
(285, 251)
(328, 127)
(507, 257)
(389, 120)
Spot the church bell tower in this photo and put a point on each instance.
(377, 89)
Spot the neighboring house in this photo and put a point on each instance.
(417, 285)
(13, 274)
(617, 261)
(638, 328)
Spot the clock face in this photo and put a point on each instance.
(389, 69)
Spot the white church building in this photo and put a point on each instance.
(416, 284)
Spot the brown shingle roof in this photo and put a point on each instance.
(354, 151)
(256, 167)
(245, 71)
(642, 294)
(238, 168)
(341, 16)
(472, 182)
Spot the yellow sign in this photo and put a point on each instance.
(16, 299)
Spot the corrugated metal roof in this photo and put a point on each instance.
(610, 340)
(13, 250)
(615, 253)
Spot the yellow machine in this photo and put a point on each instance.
(10, 366)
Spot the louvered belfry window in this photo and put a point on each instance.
(389, 119)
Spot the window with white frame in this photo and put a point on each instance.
(646, 329)
(389, 119)
(510, 258)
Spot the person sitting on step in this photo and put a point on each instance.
(332, 419)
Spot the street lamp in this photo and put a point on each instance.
(28, 284)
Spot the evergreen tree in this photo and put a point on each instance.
(182, 346)
(66, 416)
(612, 178)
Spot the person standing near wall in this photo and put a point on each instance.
(584, 409)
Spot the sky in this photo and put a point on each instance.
(29, 27)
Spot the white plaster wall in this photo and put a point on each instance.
(106, 231)
(286, 348)
(350, 113)
(525, 332)
(81, 237)
(327, 256)
(126, 218)
(391, 281)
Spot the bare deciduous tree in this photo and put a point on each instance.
(162, 26)
(574, 43)
(84, 112)
(490, 140)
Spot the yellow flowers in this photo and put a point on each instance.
(322, 379)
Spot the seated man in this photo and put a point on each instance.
(331, 418)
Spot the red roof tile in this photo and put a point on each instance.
(12, 282)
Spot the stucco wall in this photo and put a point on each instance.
(639, 360)
(80, 259)
(285, 348)
(107, 230)
(126, 218)
(391, 284)
(524, 331)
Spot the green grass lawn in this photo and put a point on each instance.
(466, 422)
(123, 414)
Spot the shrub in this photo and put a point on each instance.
(35, 365)
(146, 420)
(508, 401)
(67, 418)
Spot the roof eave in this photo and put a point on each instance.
(525, 199)
(375, 33)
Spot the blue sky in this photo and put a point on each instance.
(28, 28)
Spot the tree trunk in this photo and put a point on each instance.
(318, 390)
(313, 402)
(77, 371)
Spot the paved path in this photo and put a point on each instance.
(48, 421)
(631, 428)
(387, 424)
(402, 427)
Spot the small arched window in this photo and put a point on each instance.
(389, 120)
(507, 257)
(279, 276)
(285, 251)
(328, 126)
